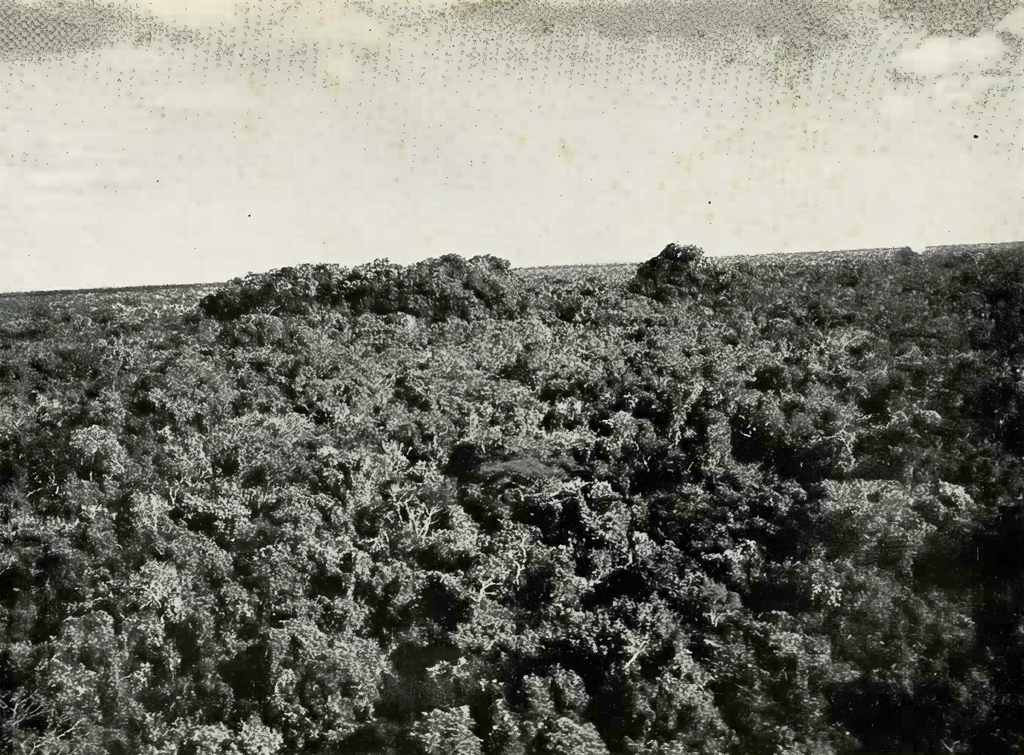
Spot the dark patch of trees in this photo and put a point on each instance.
(696, 506)
(435, 289)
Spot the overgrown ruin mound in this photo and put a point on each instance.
(436, 289)
(678, 272)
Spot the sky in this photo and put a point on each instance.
(173, 141)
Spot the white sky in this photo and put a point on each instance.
(546, 134)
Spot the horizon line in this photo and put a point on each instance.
(980, 246)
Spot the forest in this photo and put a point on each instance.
(693, 506)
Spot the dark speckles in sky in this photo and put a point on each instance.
(46, 29)
(282, 130)
(725, 30)
(788, 37)
(965, 17)
(43, 30)
(703, 24)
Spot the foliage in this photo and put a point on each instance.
(435, 289)
(679, 271)
(756, 505)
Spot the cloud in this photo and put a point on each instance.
(796, 33)
(193, 13)
(39, 30)
(943, 56)
(967, 90)
(785, 39)
(1013, 23)
(334, 21)
(935, 17)
(969, 71)
(30, 30)
(714, 21)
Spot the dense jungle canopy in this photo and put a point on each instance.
(695, 506)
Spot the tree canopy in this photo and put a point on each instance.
(694, 506)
